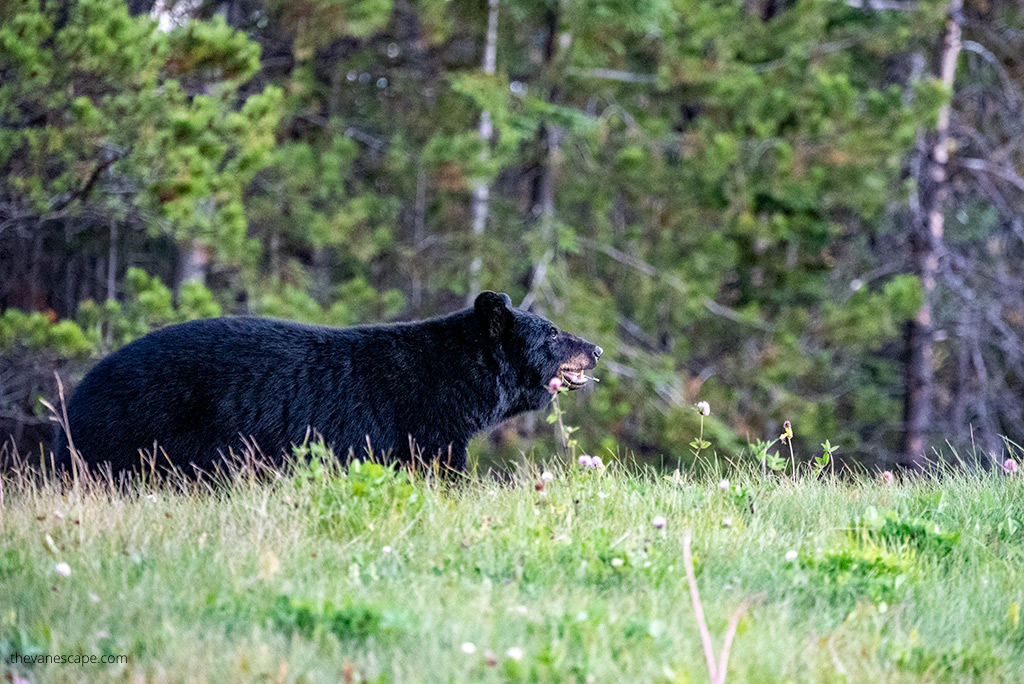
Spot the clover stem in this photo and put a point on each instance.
(561, 425)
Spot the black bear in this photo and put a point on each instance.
(207, 388)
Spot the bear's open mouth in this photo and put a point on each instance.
(573, 378)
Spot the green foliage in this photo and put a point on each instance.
(854, 573)
(903, 535)
(791, 150)
(18, 641)
(869, 319)
(349, 499)
(762, 453)
(311, 619)
(355, 302)
(100, 328)
(823, 461)
(314, 23)
(213, 51)
(964, 660)
(110, 109)
(878, 560)
(35, 332)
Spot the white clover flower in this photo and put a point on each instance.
(617, 562)
(514, 653)
(586, 461)
(547, 476)
(597, 462)
(63, 569)
(791, 556)
(727, 521)
(723, 485)
(658, 522)
(468, 647)
(703, 408)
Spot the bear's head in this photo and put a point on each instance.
(532, 351)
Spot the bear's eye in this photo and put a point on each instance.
(552, 333)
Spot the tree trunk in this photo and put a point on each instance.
(544, 209)
(544, 194)
(194, 260)
(926, 247)
(112, 261)
(481, 188)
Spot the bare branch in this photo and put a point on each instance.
(673, 281)
(365, 138)
(733, 315)
(698, 609)
(730, 633)
(614, 75)
(1008, 85)
(110, 157)
(894, 5)
(633, 262)
(1003, 172)
(823, 49)
(619, 369)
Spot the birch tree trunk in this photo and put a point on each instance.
(195, 258)
(926, 249)
(482, 189)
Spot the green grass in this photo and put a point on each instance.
(328, 571)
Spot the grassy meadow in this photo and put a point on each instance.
(356, 573)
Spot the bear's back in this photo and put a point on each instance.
(199, 387)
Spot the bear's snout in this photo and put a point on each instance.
(586, 354)
(590, 355)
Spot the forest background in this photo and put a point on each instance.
(795, 210)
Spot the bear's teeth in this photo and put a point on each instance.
(576, 376)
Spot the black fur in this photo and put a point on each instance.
(196, 389)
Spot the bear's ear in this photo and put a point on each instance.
(494, 310)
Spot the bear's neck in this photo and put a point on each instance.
(461, 371)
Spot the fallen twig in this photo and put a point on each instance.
(715, 671)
